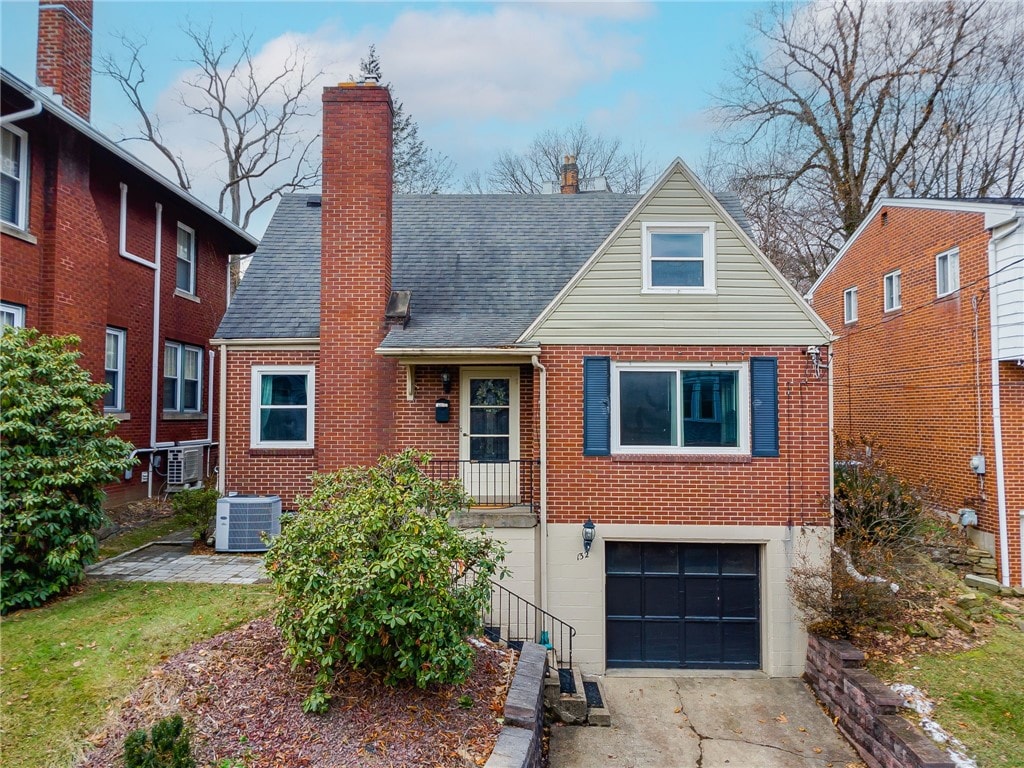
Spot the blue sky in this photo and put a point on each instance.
(478, 78)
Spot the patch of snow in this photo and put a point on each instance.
(914, 698)
(478, 643)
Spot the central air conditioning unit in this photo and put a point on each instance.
(242, 521)
(184, 466)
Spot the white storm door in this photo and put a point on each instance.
(489, 446)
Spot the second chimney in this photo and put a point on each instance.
(64, 52)
(570, 176)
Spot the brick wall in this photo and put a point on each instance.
(64, 52)
(1011, 398)
(912, 379)
(727, 490)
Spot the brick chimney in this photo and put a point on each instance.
(64, 52)
(570, 176)
(354, 412)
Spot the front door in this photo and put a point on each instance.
(489, 446)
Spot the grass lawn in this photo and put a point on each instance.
(66, 664)
(144, 534)
(979, 695)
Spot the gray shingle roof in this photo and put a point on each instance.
(480, 267)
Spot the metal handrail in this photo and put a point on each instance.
(518, 620)
(492, 484)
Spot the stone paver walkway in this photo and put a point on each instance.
(172, 562)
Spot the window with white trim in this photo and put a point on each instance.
(893, 294)
(185, 276)
(12, 315)
(680, 408)
(679, 257)
(113, 369)
(947, 272)
(282, 406)
(14, 177)
(850, 305)
(183, 377)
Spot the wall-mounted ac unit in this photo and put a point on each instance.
(242, 521)
(184, 466)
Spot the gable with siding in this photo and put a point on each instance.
(604, 303)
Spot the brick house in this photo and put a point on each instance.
(97, 244)
(631, 360)
(927, 299)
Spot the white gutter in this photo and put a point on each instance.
(13, 117)
(223, 429)
(455, 351)
(543, 481)
(997, 416)
(209, 397)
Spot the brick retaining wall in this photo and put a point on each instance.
(867, 709)
(519, 743)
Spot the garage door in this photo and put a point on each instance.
(682, 605)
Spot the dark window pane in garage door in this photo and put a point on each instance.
(624, 641)
(739, 643)
(661, 596)
(739, 598)
(623, 557)
(739, 560)
(703, 642)
(698, 559)
(661, 642)
(624, 596)
(701, 598)
(661, 558)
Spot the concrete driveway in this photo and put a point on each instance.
(682, 722)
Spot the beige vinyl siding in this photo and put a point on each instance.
(750, 306)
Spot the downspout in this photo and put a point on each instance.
(209, 409)
(222, 418)
(997, 417)
(535, 359)
(35, 109)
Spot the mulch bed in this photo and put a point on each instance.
(242, 700)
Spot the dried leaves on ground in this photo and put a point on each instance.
(242, 701)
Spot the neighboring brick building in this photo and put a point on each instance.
(927, 298)
(633, 360)
(86, 229)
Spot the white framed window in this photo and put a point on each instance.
(183, 377)
(680, 408)
(850, 305)
(113, 369)
(12, 314)
(14, 177)
(893, 293)
(947, 272)
(185, 276)
(679, 257)
(282, 406)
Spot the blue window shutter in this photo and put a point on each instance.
(764, 397)
(597, 435)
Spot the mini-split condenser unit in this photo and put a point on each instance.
(243, 520)
(184, 466)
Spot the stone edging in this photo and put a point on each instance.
(866, 708)
(519, 743)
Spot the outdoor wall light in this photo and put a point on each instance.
(446, 381)
(589, 532)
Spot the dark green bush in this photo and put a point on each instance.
(373, 574)
(196, 506)
(167, 746)
(56, 454)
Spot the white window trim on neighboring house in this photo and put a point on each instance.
(947, 272)
(704, 228)
(256, 405)
(892, 291)
(179, 351)
(742, 448)
(12, 315)
(190, 289)
(21, 202)
(850, 305)
(121, 337)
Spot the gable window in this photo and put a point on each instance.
(282, 406)
(850, 305)
(679, 408)
(113, 369)
(12, 315)
(679, 258)
(14, 177)
(185, 277)
(947, 272)
(893, 297)
(183, 369)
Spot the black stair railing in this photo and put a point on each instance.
(514, 620)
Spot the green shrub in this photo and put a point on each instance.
(167, 747)
(196, 506)
(56, 453)
(373, 574)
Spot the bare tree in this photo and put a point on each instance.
(596, 156)
(838, 103)
(264, 149)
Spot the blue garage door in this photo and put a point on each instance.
(683, 605)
